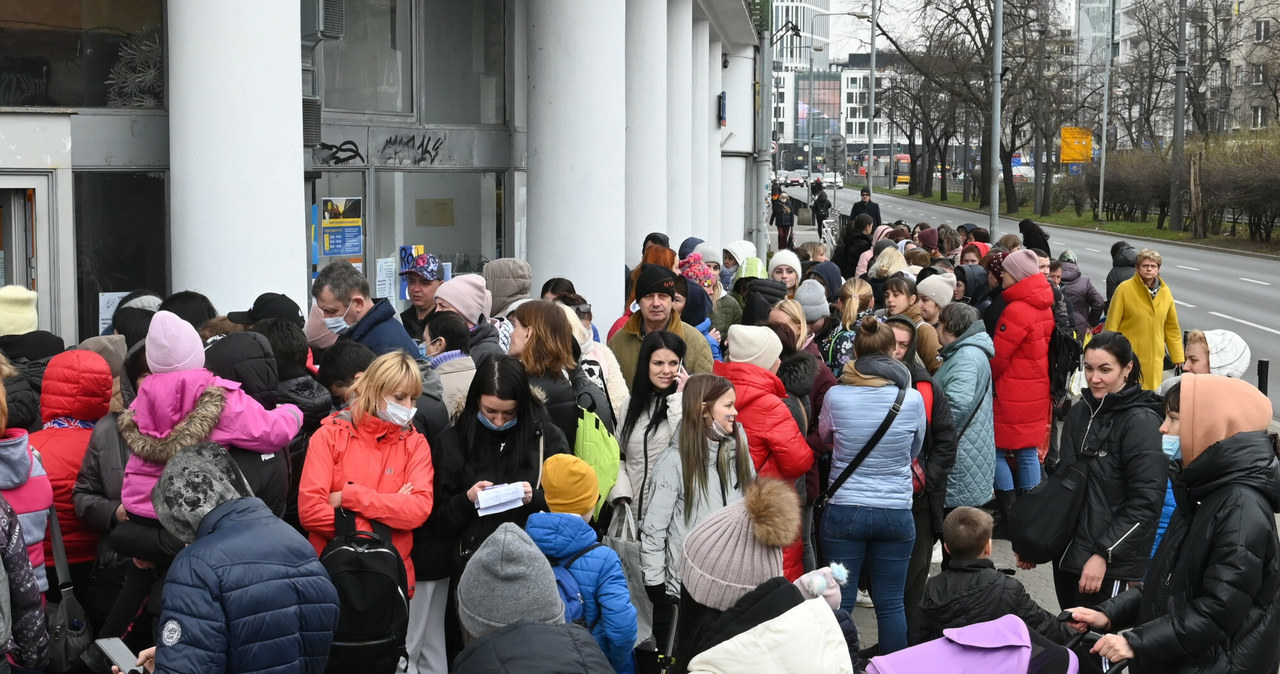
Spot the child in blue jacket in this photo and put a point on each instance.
(571, 490)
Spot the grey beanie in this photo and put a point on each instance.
(196, 480)
(813, 297)
(507, 580)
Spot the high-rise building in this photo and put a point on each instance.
(792, 51)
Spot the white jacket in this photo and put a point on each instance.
(805, 639)
(640, 453)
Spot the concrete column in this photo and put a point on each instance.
(233, 84)
(700, 129)
(577, 127)
(679, 192)
(646, 174)
(734, 185)
(715, 135)
(738, 138)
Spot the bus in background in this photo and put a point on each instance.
(902, 167)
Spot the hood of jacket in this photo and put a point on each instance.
(381, 312)
(172, 411)
(976, 336)
(246, 357)
(697, 307)
(1247, 459)
(880, 233)
(876, 369)
(751, 381)
(77, 384)
(309, 395)
(15, 459)
(1034, 290)
(509, 279)
(974, 278)
(908, 322)
(1124, 256)
(829, 273)
(797, 373)
(431, 385)
(1214, 408)
(34, 345)
(741, 250)
(559, 535)
(196, 482)
(1070, 272)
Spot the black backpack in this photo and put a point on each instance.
(1065, 354)
(373, 598)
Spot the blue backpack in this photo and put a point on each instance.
(575, 609)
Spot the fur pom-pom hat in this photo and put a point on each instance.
(737, 548)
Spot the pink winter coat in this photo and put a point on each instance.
(177, 409)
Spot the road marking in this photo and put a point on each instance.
(1261, 283)
(1184, 304)
(1244, 322)
(1180, 266)
(1093, 250)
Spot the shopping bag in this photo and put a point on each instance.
(623, 538)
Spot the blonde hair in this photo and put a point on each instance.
(856, 297)
(1148, 254)
(814, 248)
(795, 311)
(388, 373)
(888, 263)
(1197, 337)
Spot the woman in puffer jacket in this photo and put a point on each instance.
(1210, 602)
(652, 417)
(965, 375)
(869, 517)
(1117, 430)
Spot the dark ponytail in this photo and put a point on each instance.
(1119, 347)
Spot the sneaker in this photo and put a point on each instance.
(864, 599)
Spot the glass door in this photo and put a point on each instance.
(17, 236)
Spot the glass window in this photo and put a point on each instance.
(121, 238)
(371, 67)
(464, 62)
(343, 193)
(81, 53)
(456, 216)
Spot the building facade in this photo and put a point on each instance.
(176, 145)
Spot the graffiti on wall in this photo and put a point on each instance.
(412, 149)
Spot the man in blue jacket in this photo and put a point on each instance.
(247, 594)
(342, 293)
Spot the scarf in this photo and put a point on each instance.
(68, 422)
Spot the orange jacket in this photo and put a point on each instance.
(369, 464)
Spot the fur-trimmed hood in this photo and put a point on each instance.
(194, 427)
(797, 373)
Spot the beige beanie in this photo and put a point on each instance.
(754, 344)
(941, 288)
(17, 310)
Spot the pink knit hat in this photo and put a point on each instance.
(468, 294)
(1022, 264)
(173, 345)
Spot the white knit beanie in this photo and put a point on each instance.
(1229, 355)
(941, 288)
(17, 310)
(784, 257)
(754, 344)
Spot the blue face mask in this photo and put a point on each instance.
(494, 427)
(1172, 446)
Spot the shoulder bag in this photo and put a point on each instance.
(1043, 520)
(69, 632)
(820, 505)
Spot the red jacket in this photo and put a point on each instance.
(778, 449)
(77, 386)
(369, 464)
(1020, 368)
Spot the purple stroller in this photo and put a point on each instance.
(1001, 646)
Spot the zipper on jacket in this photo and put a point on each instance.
(644, 474)
(1121, 539)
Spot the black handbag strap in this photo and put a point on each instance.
(980, 396)
(866, 449)
(59, 554)
(344, 524)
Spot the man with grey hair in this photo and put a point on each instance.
(965, 377)
(342, 293)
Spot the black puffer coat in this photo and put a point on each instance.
(1212, 600)
(1123, 259)
(849, 250)
(534, 647)
(1126, 481)
(973, 591)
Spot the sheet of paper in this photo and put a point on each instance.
(500, 498)
(107, 303)
(386, 279)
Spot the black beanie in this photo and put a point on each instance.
(655, 279)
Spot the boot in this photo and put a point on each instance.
(1004, 506)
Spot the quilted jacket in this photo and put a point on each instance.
(849, 418)
(601, 581)
(640, 453)
(1020, 368)
(965, 375)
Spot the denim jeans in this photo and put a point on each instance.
(1028, 475)
(884, 538)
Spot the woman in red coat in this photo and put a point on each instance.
(1020, 373)
(76, 393)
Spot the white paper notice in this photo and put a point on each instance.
(386, 279)
(107, 303)
(500, 498)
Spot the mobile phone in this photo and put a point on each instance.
(118, 653)
(682, 367)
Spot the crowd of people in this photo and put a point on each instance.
(712, 482)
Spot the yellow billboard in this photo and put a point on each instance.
(1077, 145)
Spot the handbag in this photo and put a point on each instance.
(820, 505)
(623, 537)
(69, 632)
(1043, 520)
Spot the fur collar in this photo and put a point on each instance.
(194, 428)
(797, 373)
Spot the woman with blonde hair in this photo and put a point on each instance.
(368, 461)
(791, 314)
(855, 301)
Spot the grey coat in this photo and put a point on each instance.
(965, 376)
(96, 494)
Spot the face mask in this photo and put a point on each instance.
(494, 427)
(396, 414)
(719, 432)
(336, 324)
(1172, 446)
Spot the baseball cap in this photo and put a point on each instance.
(268, 305)
(426, 266)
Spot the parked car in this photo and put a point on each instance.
(796, 177)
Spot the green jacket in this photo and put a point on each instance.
(728, 311)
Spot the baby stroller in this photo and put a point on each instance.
(1001, 646)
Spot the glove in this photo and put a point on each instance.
(657, 593)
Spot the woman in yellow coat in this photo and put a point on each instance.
(1142, 310)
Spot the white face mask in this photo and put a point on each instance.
(336, 324)
(395, 413)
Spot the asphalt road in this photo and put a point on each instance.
(1212, 288)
